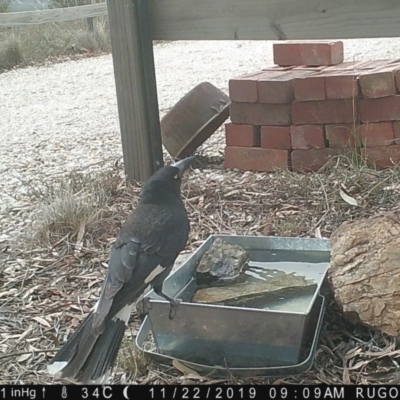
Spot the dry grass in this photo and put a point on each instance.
(72, 209)
(10, 54)
(4, 5)
(132, 360)
(50, 277)
(53, 41)
(56, 42)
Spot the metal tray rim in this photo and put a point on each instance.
(260, 310)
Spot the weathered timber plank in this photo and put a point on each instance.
(44, 16)
(274, 19)
(92, 22)
(153, 112)
(135, 86)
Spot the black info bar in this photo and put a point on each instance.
(200, 392)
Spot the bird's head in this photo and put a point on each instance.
(166, 180)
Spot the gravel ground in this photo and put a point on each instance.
(60, 117)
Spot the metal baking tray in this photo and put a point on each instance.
(213, 339)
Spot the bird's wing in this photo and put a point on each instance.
(136, 254)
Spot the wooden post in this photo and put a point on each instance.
(135, 83)
(92, 21)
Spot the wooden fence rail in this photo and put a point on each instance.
(25, 18)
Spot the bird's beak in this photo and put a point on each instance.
(184, 164)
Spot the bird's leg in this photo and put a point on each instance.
(146, 306)
(172, 302)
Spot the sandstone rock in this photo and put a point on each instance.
(365, 271)
(256, 293)
(222, 264)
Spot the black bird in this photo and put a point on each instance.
(143, 254)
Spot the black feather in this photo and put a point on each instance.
(104, 354)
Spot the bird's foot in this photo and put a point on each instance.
(172, 307)
(146, 305)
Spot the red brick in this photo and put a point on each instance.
(381, 109)
(309, 68)
(395, 64)
(242, 135)
(324, 112)
(379, 82)
(343, 135)
(341, 85)
(346, 66)
(275, 137)
(278, 89)
(372, 64)
(396, 131)
(255, 159)
(307, 136)
(310, 87)
(311, 159)
(275, 88)
(260, 114)
(308, 52)
(244, 88)
(384, 156)
(278, 68)
(397, 79)
(378, 134)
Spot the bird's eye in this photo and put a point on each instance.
(176, 176)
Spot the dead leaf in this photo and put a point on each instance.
(74, 323)
(26, 333)
(232, 192)
(201, 202)
(79, 243)
(183, 368)
(188, 372)
(360, 364)
(194, 377)
(268, 227)
(353, 353)
(317, 233)
(42, 321)
(30, 291)
(348, 199)
(24, 357)
(392, 187)
(8, 292)
(346, 376)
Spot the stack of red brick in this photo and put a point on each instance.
(310, 106)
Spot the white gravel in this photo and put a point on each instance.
(60, 117)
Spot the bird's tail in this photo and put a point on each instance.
(87, 356)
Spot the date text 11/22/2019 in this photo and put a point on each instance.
(199, 392)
